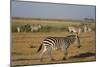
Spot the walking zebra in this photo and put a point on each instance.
(53, 43)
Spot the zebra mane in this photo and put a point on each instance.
(71, 35)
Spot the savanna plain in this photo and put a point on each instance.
(24, 45)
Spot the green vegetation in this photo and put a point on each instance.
(48, 25)
(52, 28)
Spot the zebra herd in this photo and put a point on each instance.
(29, 28)
(80, 28)
(38, 27)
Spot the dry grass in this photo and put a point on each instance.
(25, 45)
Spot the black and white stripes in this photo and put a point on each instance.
(51, 43)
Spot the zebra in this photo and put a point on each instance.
(27, 28)
(18, 29)
(74, 29)
(85, 27)
(35, 28)
(89, 29)
(39, 26)
(54, 43)
(79, 30)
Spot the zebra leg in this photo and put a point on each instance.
(49, 52)
(41, 55)
(65, 53)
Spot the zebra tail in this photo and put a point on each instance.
(39, 48)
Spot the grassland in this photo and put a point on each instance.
(49, 25)
(24, 45)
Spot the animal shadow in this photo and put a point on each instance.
(83, 55)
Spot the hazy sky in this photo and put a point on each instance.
(47, 10)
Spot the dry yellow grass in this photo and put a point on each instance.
(25, 45)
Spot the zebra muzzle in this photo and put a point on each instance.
(79, 46)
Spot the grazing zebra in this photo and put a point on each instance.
(85, 27)
(79, 30)
(27, 28)
(35, 28)
(74, 29)
(53, 43)
(18, 29)
(89, 29)
(39, 26)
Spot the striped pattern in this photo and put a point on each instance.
(29, 28)
(58, 42)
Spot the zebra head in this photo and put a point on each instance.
(78, 41)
